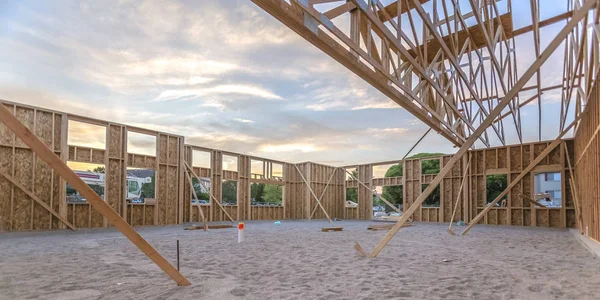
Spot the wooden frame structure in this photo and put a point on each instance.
(462, 81)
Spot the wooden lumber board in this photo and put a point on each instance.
(375, 227)
(328, 229)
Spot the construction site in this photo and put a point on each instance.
(178, 220)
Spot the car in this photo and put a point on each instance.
(136, 200)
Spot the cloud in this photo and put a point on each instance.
(194, 80)
(243, 120)
(249, 90)
(292, 147)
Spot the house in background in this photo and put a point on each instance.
(549, 183)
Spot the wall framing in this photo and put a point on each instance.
(173, 193)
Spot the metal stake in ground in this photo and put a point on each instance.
(177, 255)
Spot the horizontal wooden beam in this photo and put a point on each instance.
(543, 23)
(391, 10)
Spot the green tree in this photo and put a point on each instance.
(393, 194)
(200, 190)
(433, 200)
(99, 169)
(149, 189)
(430, 166)
(495, 184)
(229, 193)
(273, 194)
(257, 192)
(352, 195)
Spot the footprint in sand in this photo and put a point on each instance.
(239, 292)
(536, 288)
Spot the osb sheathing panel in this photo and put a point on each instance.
(150, 214)
(97, 220)
(554, 219)
(515, 199)
(162, 195)
(172, 190)
(230, 175)
(22, 204)
(56, 199)
(267, 213)
(216, 185)
(542, 217)
(135, 215)
(141, 161)
(587, 166)
(412, 189)
(502, 217)
(114, 143)
(6, 135)
(42, 188)
(515, 158)
(526, 217)
(295, 193)
(5, 189)
(365, 194)
(173, 150)
(113, 191)
(517, 217)
(162, 148)
(25, 115)
(350, 213)
(243, 190)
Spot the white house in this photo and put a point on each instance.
(549, 183)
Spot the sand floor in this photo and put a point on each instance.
(298, 261)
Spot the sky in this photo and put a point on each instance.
(224, 74)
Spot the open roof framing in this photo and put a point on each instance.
(459, 79)
(447, 62)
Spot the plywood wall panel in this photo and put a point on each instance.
(26, 116)
(172, 199)
(42, 188)
(22, 204)
(162, 201)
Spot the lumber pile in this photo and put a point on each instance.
(201, 227)
(375, 227)
(327, 229)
